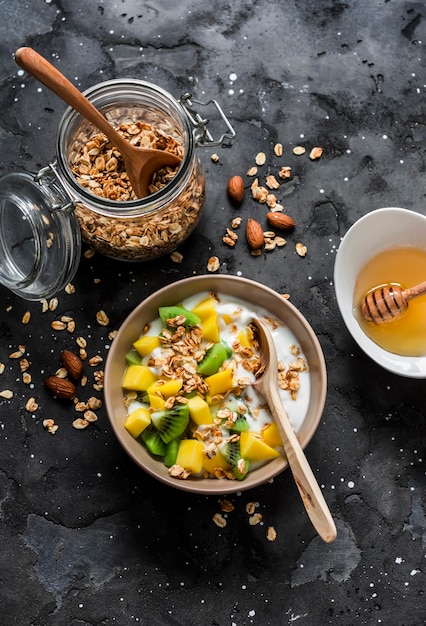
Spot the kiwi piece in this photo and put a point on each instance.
(133, 357)
(171, 452)
(240, 425)
(169, 312)
(171, 423)
(231, 452)
(151, 439)
(229, 350)
(213, 360)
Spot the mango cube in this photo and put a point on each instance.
(228, 319)
(156, 402)
(271, 436)
(199, 411)
(190, 455)
(217, 462)
(137, 421)
(147, 344)
(244, 337)
(205, 309)
(219, 383)
(255, 449)
(210, 328)
(138, 378)
(165, 388)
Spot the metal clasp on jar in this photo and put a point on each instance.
(203, 137)
(50, 180)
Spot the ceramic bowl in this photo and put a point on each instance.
(244, 289)
(376, 231)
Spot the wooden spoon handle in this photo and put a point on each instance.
(48, 75)
(311, 494)
(413, 292)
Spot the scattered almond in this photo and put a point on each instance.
(280, 220)
(72, 363)
(254, 234)
(236, 190)
(61, 387)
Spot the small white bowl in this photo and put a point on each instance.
(376, 231)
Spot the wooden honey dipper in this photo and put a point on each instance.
(388, 302)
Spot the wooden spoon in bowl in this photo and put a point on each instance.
(140, 163)
(389, 302)
(315, 504)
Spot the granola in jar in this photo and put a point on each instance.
(112, 219)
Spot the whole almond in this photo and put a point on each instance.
(72, 363)
(254, 234)
(61, 387)
(280, 220)
(236, 190)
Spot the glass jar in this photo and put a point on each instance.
(42, 224)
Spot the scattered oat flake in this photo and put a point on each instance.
(315, 153)
(213, 264)
(285, 172)
(81, 342)
(31, 405)
(219, 520)
(301, 249)
(272, 182)
(2, 366)
(18, 353)
(6, 394)
(215, 158)
(89, 253)
(95, 360)
(251, 507)
(260, 158)
(226, 506)
(26, 317)
(58, 325)
(80, 423)
(252, 171)
(102, 318)
(255, 519)
(176, 257)
(53, 304)
(70, 289)
(298, 150)
(280, 241)
(271, 533)
(278, 149)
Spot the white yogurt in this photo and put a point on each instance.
(242, 314)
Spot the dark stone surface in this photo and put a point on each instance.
(87, 537)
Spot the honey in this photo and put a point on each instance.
(406, 267)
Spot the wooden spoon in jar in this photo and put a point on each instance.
(311, 494)
(140, 163)
(389, 302)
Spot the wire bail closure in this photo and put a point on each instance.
(204, 136)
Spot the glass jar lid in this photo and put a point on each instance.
(40, 240)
